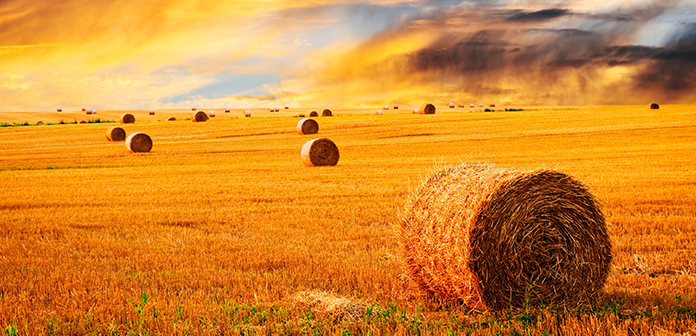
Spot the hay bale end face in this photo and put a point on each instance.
(654, 106)
(314, 114)
(326, 113)
(493, 238)
(427, 109)
(319, 152)
(307, 126)
(199, 116)
(127, 118)
(139, 143)
(116, 134)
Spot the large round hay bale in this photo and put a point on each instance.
(139, 143)
(116, 134)
(307, 126)
(171, 119)
(654, 106)
(199, 116)
(326, 113)
(396, 107)
(127, 118)
(314, 114)
(427, 109)
(493, 238)
(319, 152)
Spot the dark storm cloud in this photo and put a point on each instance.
(545, 14)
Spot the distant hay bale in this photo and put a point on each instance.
(152, 112)
(227, 110)
(326, 113)
(480, 105)
(116, 134)
(88, 111)
(139, 143)
(396, 107)
(491, 105)
(287, 107)
(59, 109)
(94, 111)
(211, 114)
(493, 238)
(270, 109)
(307, 126)
(313, 114)
(385, 107)
(127, 118)
(199, 116)
(82, 122)
(193, 109)
(39, 122)
(427, 109)
(461, 105)
(84, 109)
(451, 105)
(654, 106)
(277, 109)
(379, 112)
(171, 119)
(472, 105)
(415, 111)
(319, 152)
(247, 113)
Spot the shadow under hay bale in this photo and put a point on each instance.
(314, 114)
(654, 106)
(116, 134)
(326, 113)
(427, 109)
(199, 116)
(319, 152)
(493, 238)
(307, 126)
(139, 143)
(127, 118)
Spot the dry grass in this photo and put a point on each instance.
(217, 229)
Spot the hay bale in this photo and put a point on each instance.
(396, 107)
(84, 109)
(247, 113)
(385, 107)
(493, 238)
(379, 112)
(319, 152)
(287, 107)
(326, 113)
(116, 134)
(127, 118)
(480, 105)
(211, 113)
(270, 109)
(654, 106)
(472, 105)
(451, 105)
(59, 109)
(39, 122)
(415, 111)
(193, 109)
(199, 116)
(313, 114)
(227, 110)
(171, 119)
(307, 126)
(88, 111)
(94, 111)
(152, 112)
(82, 122)
(139, 143)
(491, 105)
(427, 109)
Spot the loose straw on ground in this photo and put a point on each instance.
(494, 238)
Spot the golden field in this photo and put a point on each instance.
(221, 229)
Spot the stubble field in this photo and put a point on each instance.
(222, 230)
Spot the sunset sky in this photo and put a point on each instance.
(124, 54)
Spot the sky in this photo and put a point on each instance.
(161, 54)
